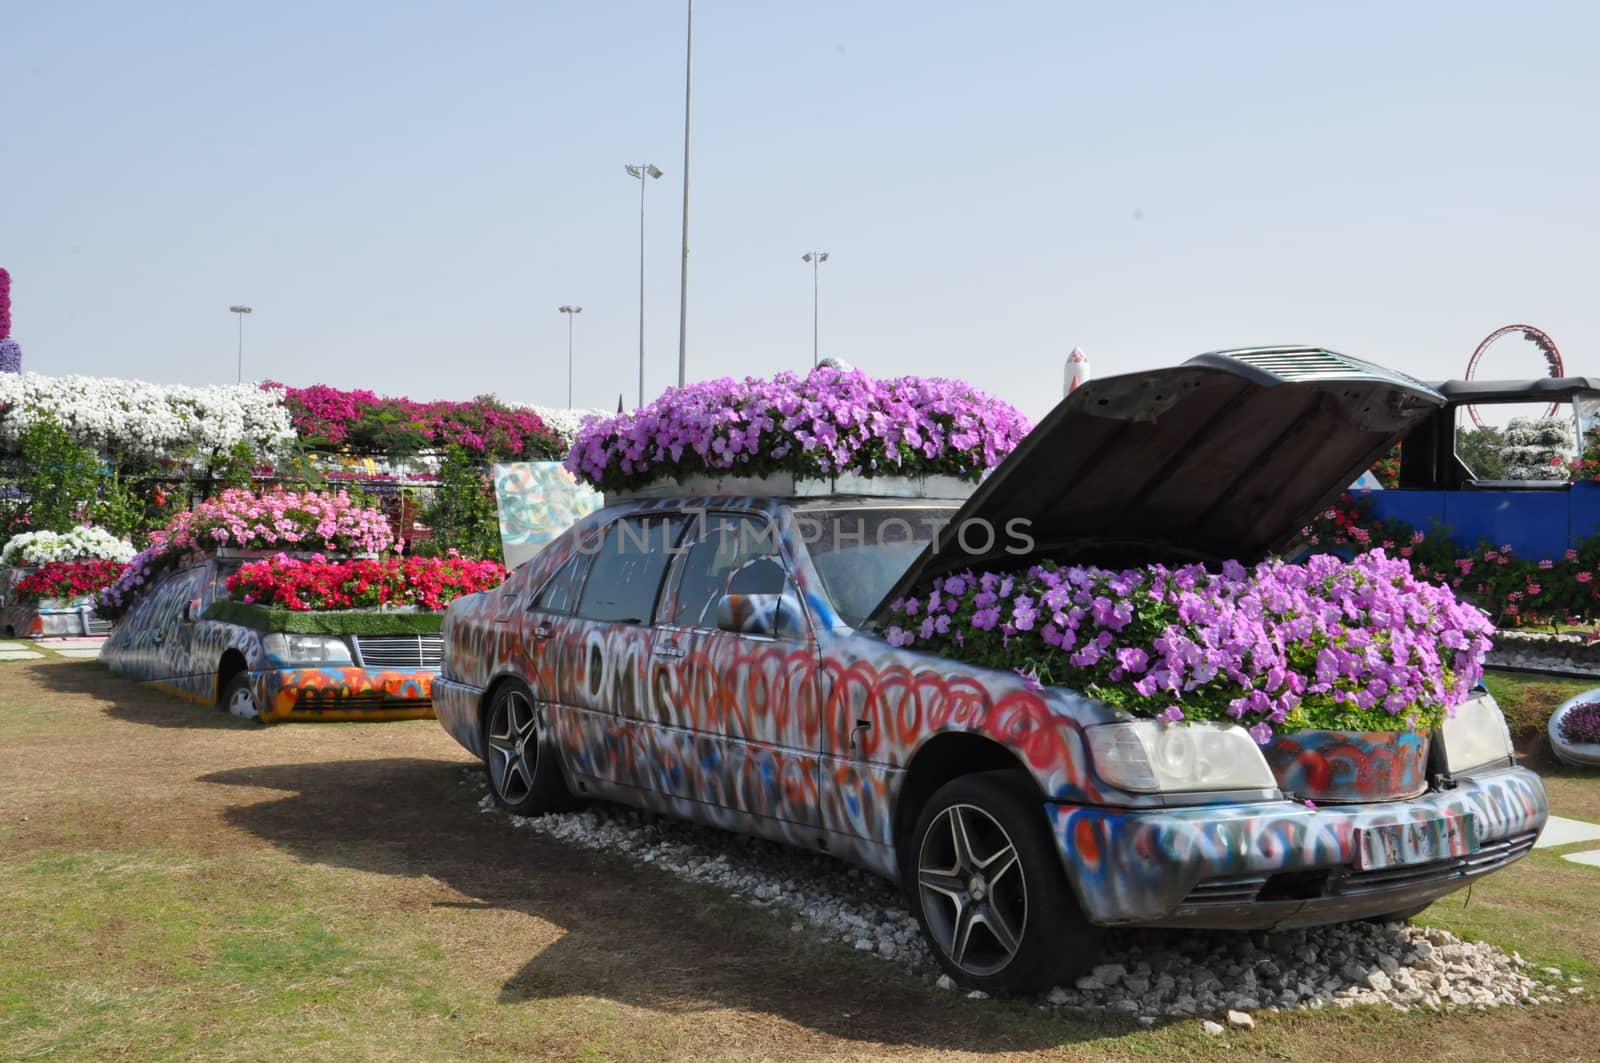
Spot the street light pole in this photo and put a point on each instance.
(570, 311)
(683, 275)
(816, 258)
(241, 311)
(641, 171)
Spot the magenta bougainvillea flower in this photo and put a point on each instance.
(827, 423)
(366, 422)
(1360, 645)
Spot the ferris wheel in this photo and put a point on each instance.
(1536, 336)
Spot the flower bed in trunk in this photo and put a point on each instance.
(66, 580)
(1358, 646)
(316, 583)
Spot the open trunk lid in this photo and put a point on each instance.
(1225, 456)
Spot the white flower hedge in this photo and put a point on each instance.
(137, 419)
(564, 423)
(79, 544)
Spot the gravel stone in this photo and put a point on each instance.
(1175, 973)
(1213, 1029)
(1241, 1020)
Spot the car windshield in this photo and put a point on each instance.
(860, 551)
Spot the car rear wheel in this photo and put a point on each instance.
(239, 697)
(521, 764)
(989, 891)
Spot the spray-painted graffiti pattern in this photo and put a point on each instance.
(158, 643)
(810, 736)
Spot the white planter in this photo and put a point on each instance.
(1579, 754)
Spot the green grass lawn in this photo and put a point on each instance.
(315, 892)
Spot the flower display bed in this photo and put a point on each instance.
(1574, 730)
(826, 424)
(79, 544)
(300, 585)
(282, 520)
(366, 423)
(60, 584)
(1330, 645)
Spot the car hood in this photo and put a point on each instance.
(1225, 456)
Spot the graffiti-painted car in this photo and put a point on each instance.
(184, 637)
(51, 617)
(718, 658)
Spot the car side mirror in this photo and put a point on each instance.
(191, 611)
(776, 616)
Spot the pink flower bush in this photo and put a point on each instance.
(1361, 645)
(282, 520)
(1581, 724)
(827, 423)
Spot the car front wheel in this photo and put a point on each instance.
(239, 697)
(521, 763)
(989, 891)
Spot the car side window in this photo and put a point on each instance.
(560, 592)
(731, 555)
(628, 563)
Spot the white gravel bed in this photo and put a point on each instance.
(1153, 975)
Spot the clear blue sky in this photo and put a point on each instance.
(406, 192)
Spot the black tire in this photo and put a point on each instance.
(521, 763)
(239, 698)
(1023, 929)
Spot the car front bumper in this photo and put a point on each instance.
(1286, 864)
(336, 694)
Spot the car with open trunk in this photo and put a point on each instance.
(718, 652)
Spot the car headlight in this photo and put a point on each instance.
(307, 649)
(1148, 756)
(1476, 736)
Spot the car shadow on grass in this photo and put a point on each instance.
(128, 699)
(631, 934)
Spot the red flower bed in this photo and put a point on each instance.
(68, 579)
(303, 586)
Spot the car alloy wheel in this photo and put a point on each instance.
(513, 747)
(239, 698)
(973, 893)
(986, 880)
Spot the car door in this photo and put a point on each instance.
(737, 711)
(152, 641)
(604, 649)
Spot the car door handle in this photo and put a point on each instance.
(669, 651)
(543, 631)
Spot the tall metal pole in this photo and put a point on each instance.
(642, 183)
(816, 264)
(571, 310)
(683, 276)
(241, 311)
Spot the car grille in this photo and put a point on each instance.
(1337, 882)
(1227, 891)
(1490, 856)
(400, 651)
